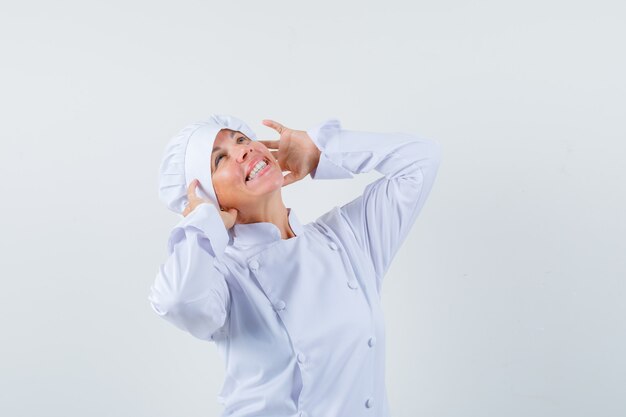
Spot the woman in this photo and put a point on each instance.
(294, 309)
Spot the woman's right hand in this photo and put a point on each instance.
(228, 216)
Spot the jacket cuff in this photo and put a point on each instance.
(326, 137)
(205, 219)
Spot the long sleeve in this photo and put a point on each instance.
(383, 215)
(189, 291)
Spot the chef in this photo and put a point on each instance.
(294, 309)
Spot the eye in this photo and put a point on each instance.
(240, 139)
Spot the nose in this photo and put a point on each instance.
(243, 153)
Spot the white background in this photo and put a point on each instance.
(507, 298)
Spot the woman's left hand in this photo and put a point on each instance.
(296, 151)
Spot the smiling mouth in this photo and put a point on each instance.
(267, 163)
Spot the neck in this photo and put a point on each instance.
(272, 210)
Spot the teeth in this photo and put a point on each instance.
(259, 166)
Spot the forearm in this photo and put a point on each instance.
(189, 291)
(383, 215)
(345, 152)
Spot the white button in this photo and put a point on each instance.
(352, 285)
(280, 305)
(302, 414)
(333, 245)
(254, 264)
(369, 403)
(372, 341)
(301, 357)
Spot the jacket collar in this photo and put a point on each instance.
(263, 232)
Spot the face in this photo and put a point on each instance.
(233, 161)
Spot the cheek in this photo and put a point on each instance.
(276, 174)
(218, 184)
(224, 181)
(224, 178)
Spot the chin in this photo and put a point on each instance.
(269, 187)
(269, 182)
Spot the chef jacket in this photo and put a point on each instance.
(298, 322)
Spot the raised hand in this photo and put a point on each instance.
(228, 216)
(295, 151)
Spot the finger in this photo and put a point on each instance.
(229, 212)
(230, 217)
(272, 144)
(274, 125)
(289, 178)
(191, 190)
(282, 165)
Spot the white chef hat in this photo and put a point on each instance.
(188, 156)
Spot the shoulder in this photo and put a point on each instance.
(337, 225)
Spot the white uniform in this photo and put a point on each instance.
(298, 322)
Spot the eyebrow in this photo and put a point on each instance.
(232, 134)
